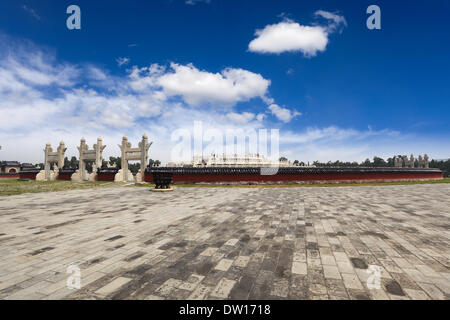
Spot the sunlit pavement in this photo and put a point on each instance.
(384, 242)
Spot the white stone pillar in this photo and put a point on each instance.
(47, 151)
(124, 147)
(81, 164)
(61, 151)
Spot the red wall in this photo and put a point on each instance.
(65, 176)
(9, 176)
(356, 176)
(28, 175)
(106, 176)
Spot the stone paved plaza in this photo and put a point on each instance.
(227, 243)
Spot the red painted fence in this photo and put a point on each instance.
(302, 177)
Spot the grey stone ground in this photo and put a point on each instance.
(227, 243)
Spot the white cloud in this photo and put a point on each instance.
(31, 69)
(96, 73)
(42, 99)
(347, 144)
(260, 117)
(122, 60)
(244, 117)
(31, 12)
(194, 2)
(335, 20)
(197, 87)
(290, 36)
(283, 114)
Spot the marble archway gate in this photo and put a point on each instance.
(55, 158)
(130, 154)
(95, 154)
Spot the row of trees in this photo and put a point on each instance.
(376, 162)
(444, 165)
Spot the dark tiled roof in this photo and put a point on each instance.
(10, 164)
(28, 165)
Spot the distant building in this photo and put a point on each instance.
(250, 160)
(9, 167)
(14, 166)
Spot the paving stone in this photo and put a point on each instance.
(432, 291)
(378, 294)
(328, 260)
(224, 264)
(200, 293)
(228, 243)
(351, 281)
(231, 242)
(345, 267)
(280, 288)
(209, 252)
(394, 288)
(417, 294)
(112, 286)
(358, 294)
(331, 272)
(241, 261)
(299, 268)
(223, 288)
(191, 283)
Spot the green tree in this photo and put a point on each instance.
(134, 167)
(379, 162)
(444, 165)
(116, 161)
(154, 163)
(73, 163)
(366, 163)
(89, 166)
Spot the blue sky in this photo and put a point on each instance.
(333, 88)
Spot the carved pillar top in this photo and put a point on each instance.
(144, 145)
(99, 147)
(61, 151)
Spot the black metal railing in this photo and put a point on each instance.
(283, 170)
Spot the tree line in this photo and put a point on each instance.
(443, 165)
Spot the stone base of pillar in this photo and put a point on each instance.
(77, 176)
(119, 177)
(41, 175)
(93, 176)
(54, 175)
(139, 177)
